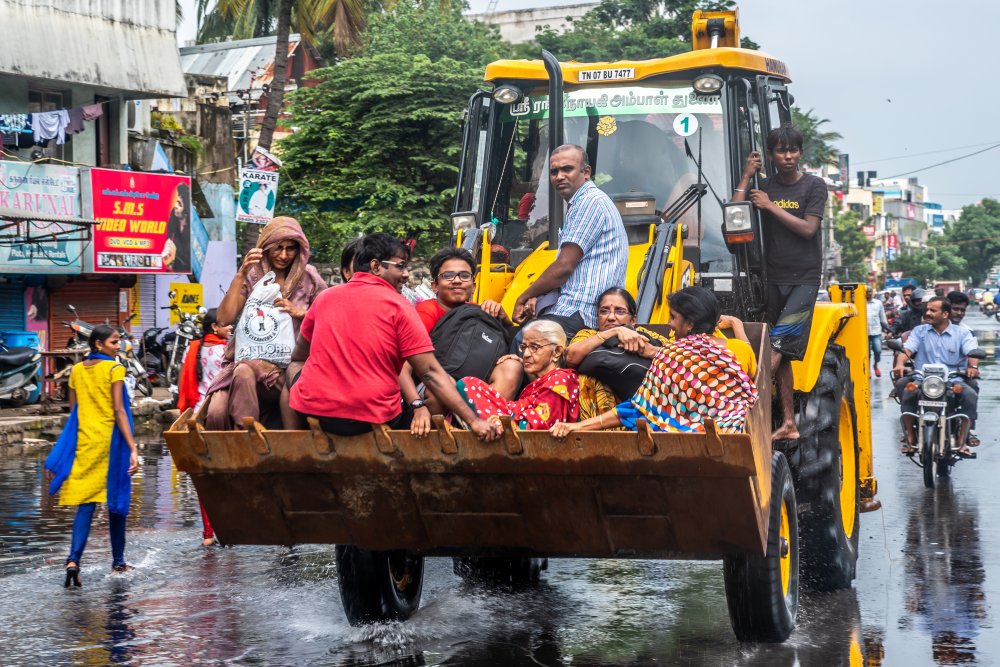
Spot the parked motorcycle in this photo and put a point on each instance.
(938, 420)
(154, 355)
(134, 369)
(81, 331)
(188, 330)
(19, 368)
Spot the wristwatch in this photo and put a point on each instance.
(419, 403)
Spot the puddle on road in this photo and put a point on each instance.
(924, 595)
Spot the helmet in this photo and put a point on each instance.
(918, 295)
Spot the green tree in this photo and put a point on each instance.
(975, 236)
(855, 248)
(938, 261)
(817, 143)
(626, 30)
(343, 20)
(379, 135)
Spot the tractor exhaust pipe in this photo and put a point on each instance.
(556, 210)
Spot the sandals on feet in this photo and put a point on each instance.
(72, 576)
(908, 450)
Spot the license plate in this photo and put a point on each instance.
(932, 404)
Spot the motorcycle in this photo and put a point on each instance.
(81, 331)
(188, 330)
(938, 421)
(19, 367)
(154, 355)
(137, 376)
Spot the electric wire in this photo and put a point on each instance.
(939, 164)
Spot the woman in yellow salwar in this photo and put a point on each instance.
(96, 454)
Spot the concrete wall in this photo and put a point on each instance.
(521, 25)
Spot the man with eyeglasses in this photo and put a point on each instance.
(452, 274)
(593, 249)
(354, 342)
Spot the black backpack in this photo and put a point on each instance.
(468, 342)
(622, 371)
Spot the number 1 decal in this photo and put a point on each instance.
(686, 124)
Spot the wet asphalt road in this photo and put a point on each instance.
(926, 592)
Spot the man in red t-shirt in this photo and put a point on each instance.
(354, 340)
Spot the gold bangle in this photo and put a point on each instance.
(598, 334)
(601, 417)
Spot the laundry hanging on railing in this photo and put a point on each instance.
(24, 130)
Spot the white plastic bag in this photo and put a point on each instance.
(264, 330)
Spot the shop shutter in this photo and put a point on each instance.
(147, 304)
(95, 301)
(12, 307)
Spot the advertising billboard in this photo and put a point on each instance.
(145, 222)
(48, 190)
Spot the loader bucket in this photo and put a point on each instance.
(596, 494)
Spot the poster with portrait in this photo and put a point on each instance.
(145, 222)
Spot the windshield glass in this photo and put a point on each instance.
(640, 138)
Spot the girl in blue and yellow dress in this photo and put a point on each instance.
(96, 454)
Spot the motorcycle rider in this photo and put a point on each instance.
(938, 341)
(959, 306)
(912, 315)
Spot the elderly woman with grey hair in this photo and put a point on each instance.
(552, 397)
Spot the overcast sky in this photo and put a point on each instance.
(897, 78)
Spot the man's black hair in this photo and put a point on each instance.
(380, 246)
(698, 306)
(786, 135)
(945, 304)
(584, 158)
(623, 293)
(438, 259)
(347, 255)
(957, 298)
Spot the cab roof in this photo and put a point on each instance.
(692, 61)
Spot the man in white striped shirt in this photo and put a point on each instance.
(593, 248)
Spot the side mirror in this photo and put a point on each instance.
(70, 308)
(978, 353)
(894, 344)
(172, 294)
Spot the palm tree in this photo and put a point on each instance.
(251, 18)
(817, 150)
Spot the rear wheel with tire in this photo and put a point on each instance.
(927, 456)
(378, 586)
(829, 480)
(762, 591)
(515, 571)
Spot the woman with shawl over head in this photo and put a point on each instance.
(694, 378)
(95, 455)
(253, 388)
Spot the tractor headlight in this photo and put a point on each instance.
(932, 387)
(737, 223)
(507, 94)
(466, 220)
(707, 84)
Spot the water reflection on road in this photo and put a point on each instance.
(923, 594)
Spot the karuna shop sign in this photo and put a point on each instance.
(145, 222)
(49, 190)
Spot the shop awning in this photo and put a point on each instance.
(20, 227)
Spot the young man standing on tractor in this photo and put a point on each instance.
(791, 205)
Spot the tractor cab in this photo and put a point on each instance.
(666, 139)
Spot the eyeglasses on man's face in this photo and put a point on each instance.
(400, 265)
(534, 348)
(619, 312)
(448, 276)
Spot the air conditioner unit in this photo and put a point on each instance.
(137, 115)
